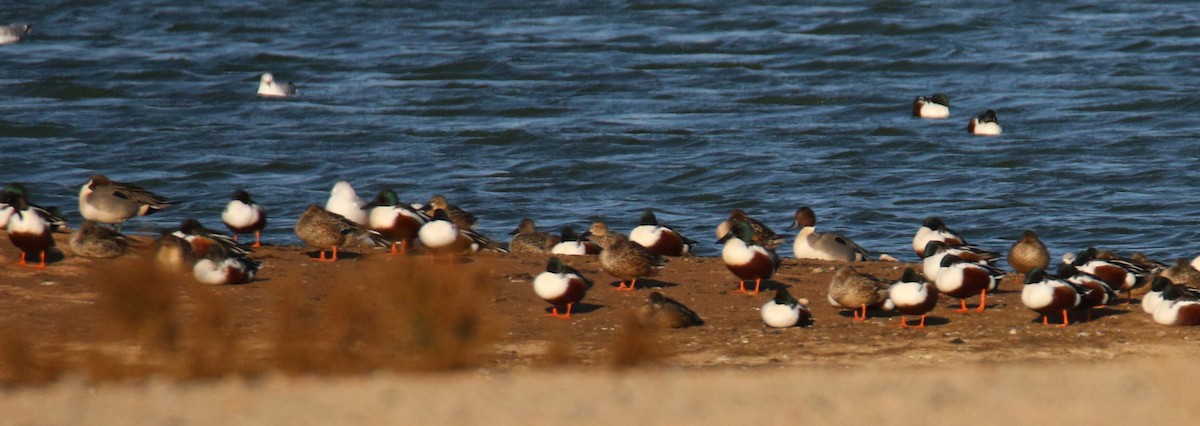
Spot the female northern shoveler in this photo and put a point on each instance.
(913, 296)
(937, 106)
(1048, 295)
(599, 234)
(763, 235)
(628, 261)
(747, 260)
(394, 220)
(850, 289)
(343, 200)
(1178, 307)
(268, 87)
(461, 218)
(659, 239)
(811, 244)
(319, 228)
(105, 201)
(1028, 254)
(561, 286)
(527, 239)
(932, 229)
(985, 125)
(95, 241)
(1182, 273)
(242, 215)
(27, 229)
(961, 279)
(785, 311)
(663, 312)
(574, 245)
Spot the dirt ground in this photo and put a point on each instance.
(377, 338)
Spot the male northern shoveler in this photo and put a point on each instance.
(747, 260)
(1098, 294)
(985, 125)
(811, 244)
(343, 200)
(268, 87)
(561, 286)
(206, 242)
(527, 239)
(319, 228)
(1048, 295)
(913, 296)
(961, 279)
(663, 312)
(763, 235)
(442, 237)
(932, 229)
(660, 239)
(394, 220)
(27, 229)
(1028, 254)
(850, 289)
(225, 270)
(1120, 274)
(937, 106)
(106, 201)
(935, 251)
(13, 33)
(1178, 307)
(50, 214)
(242, 215)
(785, 311)
(574, 245)
(461, 218)
(92, 240)
(628, 261)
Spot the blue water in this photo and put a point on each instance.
(567, 112)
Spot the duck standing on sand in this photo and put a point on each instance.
(1048, 295)
(243, 216)
(850, 289)
(660, 239)
(27, 229)
(1028, 254)
(628, 261)
(561, 286)
(664, 312)
(811, 244)
(746, 259)
(527, 239)
(785, 311)
(913, 296)
(106, 201)
(395, 220)
(461, 218)
(763, 235)
(962, 280)
(319, 228)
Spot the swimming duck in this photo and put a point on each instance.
(394, 220)
(628, 261)
(527, 239)
(784, 310)
(1028, 253)
(319, 228)
(27, 229)
(268, 87)
(561, 286)
(461, 218)
(985, 125)
(1120, 274)
(225, 270)
(850, 289)
(937, 106)
(660, 239)
(343, 200)
(95, 241)
(961, 279)
(746, 259)
(932, 229)
(1048, 295)
(599, 234)
(763, 235)
(13, 33)
(242, 215)
(1178, 307)
(1098, 294)
(106, 201)
(574, 245)
(811, 244)
(935, 251)
(913, 296)
(663, 312)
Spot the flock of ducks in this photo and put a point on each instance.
(950, 266)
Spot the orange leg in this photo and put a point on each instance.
(235, 237)
(982, 301)
(257, 239)
(903, 321)
(568, 315)
(322, 258)
(43, 264)
(393, 250)
(22, 262)
(1090, 314)
(864, 314)
(757, 285)
(403, 247)
(741, 286)
(1045, 320)
(334, 259)
(922, 321)
(964, 307)
(1066, 319)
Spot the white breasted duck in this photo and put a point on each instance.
(1120, 274)
(95, 241)
(660, 239)
(319, 228)
(850, 289)
(1099, 294)
(932, 229)
(561, 286)
(231, 269)
(13, 33)
(935, 251)
(527, 239)
(913, 296)
(107, 201)
(1178, 307)
(444, 238)
(936, 106)
(962, 280)
(985, 125)
(746, 259)
(343, 200)
(396, 221)
(1028, 254)
(27, 229)
(664, 312)
(785, 311)
(50, 214)
(206, 242)
(811, 244)
(572, 244)
(269, 87)
(1049, 295)
(243, 216)
(763, 235)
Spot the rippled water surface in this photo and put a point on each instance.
(566, 112)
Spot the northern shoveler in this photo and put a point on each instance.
(935, 251)
(660, 239)
(962, 280)
(628, 261)
(527, 239)
(936, 106)
(243, 216)
(27, 229)
(461, 218)
(785, 311)
(912, 295)
(561, 286)
(932, 229)
(985, 125)
(746, 259)
(663, 312)
(1028, 254)
(95, 241)
(396, 221)
(763, 235)
(850, 289)
(574, 245)
(319, 228)
(1178, 307)
(1049, 295)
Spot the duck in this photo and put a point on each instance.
(572, 244)
(50, 214)
(343, 200)
(1028, 253)
(747, 259)
(985, 124)
(1120, 274)
(174, 253)
(763, 235)
(661, 311)
(323, 229)
(599, 234)
(660, 239)
(205, 241)
(243, 216)
(527, 239)
(461, 218)
(850, 289)
(1178, 307)
(1182, 273)
(95, 241)
(225, 270)
(1098, 294)
(394, 220)
(27, 229)
(268, 87)
(936, 106)
(933, 229)
(561, 286)
(1152, 298)
(935, 251)
(1049, 295)
(811, 244)
(961, 279)
(441, 237)
(106, 201)
(13, 33)
(627, 261)
(785, 311)
(912, 295)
